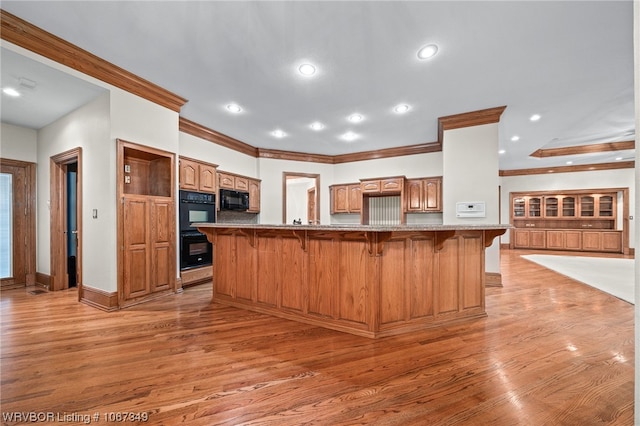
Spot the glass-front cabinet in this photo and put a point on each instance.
(535, 207)
(568, 206)
(551, 206)
(606, 206)
(519, 207)
(587, 206)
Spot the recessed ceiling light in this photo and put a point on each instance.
(428, 51)
(515, 138)
(316, 125)
(535, 117)
(355, 118)
(401, 109)
(235, 108)
(278, 133)
(569, 162)
(10, 91)
(349, 136)
(618, 158)
(307, 69)
(502, 151)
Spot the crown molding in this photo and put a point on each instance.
(389, 152)
(569, 169)
(468, 119)
(584, 149)
(277, 154)
(200, 131)
(28, 36)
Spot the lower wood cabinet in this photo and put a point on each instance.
(568, 239)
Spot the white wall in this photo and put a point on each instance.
(470, 173)
(297, 199)
(227, 159)
(619, 178)
(87, 128)
(18, 143)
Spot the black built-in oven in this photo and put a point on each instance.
(195, 207)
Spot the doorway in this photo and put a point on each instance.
(66, 221)
(17, 223)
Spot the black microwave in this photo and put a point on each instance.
(234, 200)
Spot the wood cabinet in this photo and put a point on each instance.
(235, 182)
(146, 223)
(382, 185)
(568, 220)
(254, 195)
(197, 176)
(346, 198)
(423, 195)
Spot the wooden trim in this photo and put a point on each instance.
(100, 299)
(570, 169)
(289, 175)
(294, 156)
(43, 279)
(632, 251)
(505, 246)
(194, 129)
(468, 119)
(37, 40)
(423, 148)
(493, 279)
(584, 149)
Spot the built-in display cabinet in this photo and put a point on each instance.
(585, 220)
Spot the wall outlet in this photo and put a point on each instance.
(127, 179)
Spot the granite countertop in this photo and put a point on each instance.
(356, 228)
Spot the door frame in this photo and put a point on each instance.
(58, 195)
(26, 222)
(294, 175)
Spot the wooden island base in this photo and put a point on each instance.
(365, 280)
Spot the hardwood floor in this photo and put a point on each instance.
(551, 351)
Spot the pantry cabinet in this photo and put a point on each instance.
(146, 223)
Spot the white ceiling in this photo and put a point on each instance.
(571, 62)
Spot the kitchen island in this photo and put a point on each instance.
(367, 280)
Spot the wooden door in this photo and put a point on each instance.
(573, 240)
(521, 238)
(254, 196)
(135, 237)
(591, 240)
(355, 198)
(162, 261)
(340, 200)
(414, 195)
(555, 240)
(311, 206)
(538, 239)
(612, 241)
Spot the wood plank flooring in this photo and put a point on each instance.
(552, 351)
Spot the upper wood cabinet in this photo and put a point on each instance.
(235, 182)
(382, 185)
(346, 198)
(197, 176)
(254, 195)
(423, 195)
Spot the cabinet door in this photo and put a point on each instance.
(370, 186)
(339, 199)
(355, 198)
(592, 240)
(606, 206)
(226, 181)
(162, 245)
(555, 240)
(538, 239)
(551, 207)
(573, 240)
(207, 178)
(587, 206)
(136, 249)
(612, 241)
(242, 184)
(415, 195)
(521, 238)
(391, 185)
(433, 195)
(568, 206)
(189, 175)
(534, 207)
(519, 207)
(254, 196)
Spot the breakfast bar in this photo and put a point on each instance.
(371, 281)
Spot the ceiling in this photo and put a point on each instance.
(570, 62)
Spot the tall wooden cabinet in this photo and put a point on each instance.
(146, 223)
(582, 220)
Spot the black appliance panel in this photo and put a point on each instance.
(195, 250)
(234, 200)
(196, 207)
